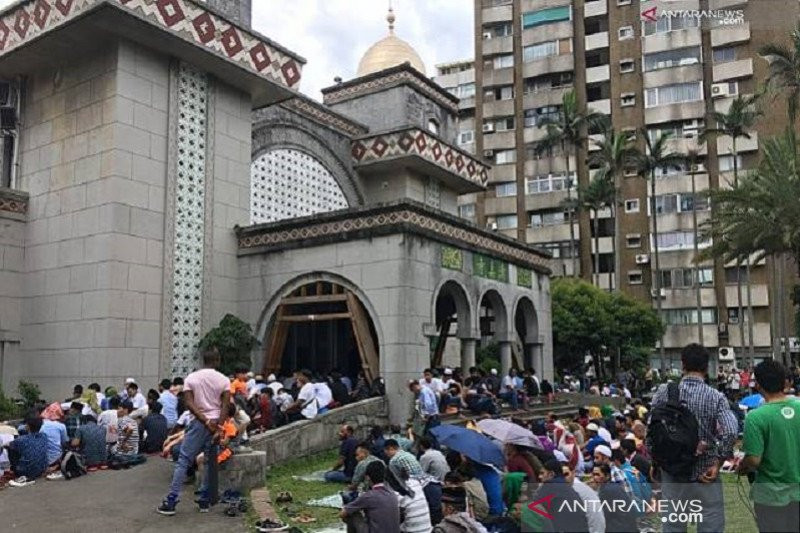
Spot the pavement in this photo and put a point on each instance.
(121, 501)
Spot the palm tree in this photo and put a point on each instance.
(600, 193)
(654, 158)
(567, 131)
(615, 153)
(740, 118)
(758, 216)
(784, 72)
(692, 157)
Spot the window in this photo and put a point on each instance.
(625, 32)
(686, 278)
(672, 58)
(534, 117)
(466, 137)
(502, 157)
(731, 275)
(560, 250)
(465, 90)
(627, 65)
(628, 100)
(632, 206)
(726, 163)
(433, 126)
(676, 130)
(678, 240)
(507, 188)
(724, 55)
(467, 211)
(506, 221)
(505, 93)
(539, 51)
(633, 240)
(665, 24)
(504, 124)
(545, 16)
(685, 317)
(503, 61)
(548, 218)
(549, 183)
(504, 29)
(733, 315)
(673, 94)
(635, 277)
(623, 2)
(680, 203)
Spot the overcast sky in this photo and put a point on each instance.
(333, 34)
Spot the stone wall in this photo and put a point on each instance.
(312, 436)
(12, 230)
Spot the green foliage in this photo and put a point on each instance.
(487, 357)
(234, 339)
(8, 407)
(29, 392)
(588, 320)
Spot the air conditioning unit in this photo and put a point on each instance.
(698, 168)
(794, 345)
(719, 90)
(692, 124)
(488, 154)
(642, 259)
(492, 226)
(488, 128)
(726, 354)
(487, 35)
(656, 293)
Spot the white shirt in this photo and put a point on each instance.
(108, 420)
(185, 419)
(324, 394)
(594, 513)
(283, 400)
(308, 397)
(275, 386)
(509, 383)
(436, 385)
(251, 383)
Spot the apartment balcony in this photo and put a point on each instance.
(556, 232)
(467, 103)
(596, 74)
(761, 337)
(547, 32)
(724, 104)
(680, 336)
(665, 76)
(606, 246)
(604, 281)
(497, 14)
(498, 108)
(674, 259)
(495, 206)
(679, 221)
(684, 298)
(500, 173)
(726, 4)
(593, 140)
(559, 63)
(595, 8)
(673, 112)
(469, 147)
(554, 165)
(725, 144)
(545, 200)
(671, 40)
(596, 41)
(498, 45)
(499, 140)
(741, 68)
(502, 76)
(545, 98)
(725, 35)
(683, 145)
(682, 184)
(532, 135)
(533, 5)
(601, 106)
(759, 292)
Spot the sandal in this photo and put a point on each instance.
(304, 519)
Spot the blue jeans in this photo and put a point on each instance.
(336, 476)
(710, 496)
(510, 397)
(197, 439)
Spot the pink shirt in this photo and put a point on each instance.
(207, 385)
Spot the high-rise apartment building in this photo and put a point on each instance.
(654, 68)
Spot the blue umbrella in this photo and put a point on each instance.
(470, 443)
(752, 401)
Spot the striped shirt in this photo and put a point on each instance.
(127, 444)
(717, 423)
(414, 510)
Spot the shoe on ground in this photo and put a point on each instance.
(267, 525)
(21, 481)
(167, 508)
(55, 476)
(203, 506)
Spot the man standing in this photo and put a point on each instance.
(427, 405)
(379, 505)
(772, 451)
(717, 430)
(342, 471)
(206, 394)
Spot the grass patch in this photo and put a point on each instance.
(737, 513)
(279, 479)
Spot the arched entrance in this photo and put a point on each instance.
(322, 326)
(526, 325)
(452, 307)
(493, 326)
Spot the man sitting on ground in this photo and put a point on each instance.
(379, 505)
(155, 429)
(456, 517)
(127, 431)
(28, 453)
(432, 460)
(90, 439)
(401, 461)
(342, 471)
(73, 420)
(138, 401)
(364, 458)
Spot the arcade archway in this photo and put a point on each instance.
(452, 307)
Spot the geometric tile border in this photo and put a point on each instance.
(414, 141)
(186, 19)
(12, 201)
(402, 217)
(319, 113)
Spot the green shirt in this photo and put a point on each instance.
(360, 471)
(772, 432)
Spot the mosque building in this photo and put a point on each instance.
(160, 170)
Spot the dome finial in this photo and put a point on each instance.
(390, 18)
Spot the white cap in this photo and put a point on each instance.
(603, 450)
(592, 427)
(271, 377)
(494, 371)
(448, 371)
(129, 381)
(250, 374)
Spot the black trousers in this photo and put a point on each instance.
(775, 519)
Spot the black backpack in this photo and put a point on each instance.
(673, 436)
(72, 465)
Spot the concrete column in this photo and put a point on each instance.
(528, 357)
(537, 358)
(467, 354)
(505, 357)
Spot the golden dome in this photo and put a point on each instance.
(389, 52)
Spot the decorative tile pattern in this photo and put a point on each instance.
(187, 19)
(288, 183)
(433, 194)
(489, 267)
(403, 217)
(415, 141)
(404, 77)
(13, 203)
(325, 117)
(524, 277)
(187, 292)
(452, 258)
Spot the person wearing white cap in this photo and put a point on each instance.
(602, 456)
(274, 384)
(594, 440)
(251, 383)
(123, 394)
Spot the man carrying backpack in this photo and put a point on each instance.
(690, 434)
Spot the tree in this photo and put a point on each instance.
(784, 73)
(234, 339)
(567, 131)
(736, 123)
(590, 321)
(600, 193)
(656, 157)
(692, 157)
(615, 154)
